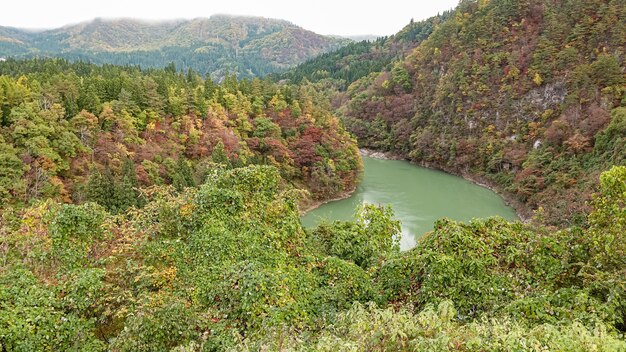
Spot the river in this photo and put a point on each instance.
(418, 196)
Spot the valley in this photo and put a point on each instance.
(419, 197)
(154, 175)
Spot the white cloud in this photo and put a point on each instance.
(321, 16)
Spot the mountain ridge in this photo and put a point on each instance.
(245, 45)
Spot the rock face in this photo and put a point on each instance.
(379, 154)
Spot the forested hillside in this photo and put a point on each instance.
(215, 46)
(528, 95)
(80, 132)
(154, 210)
(356, 60)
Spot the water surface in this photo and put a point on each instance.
(418, 196)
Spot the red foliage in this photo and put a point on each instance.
(466, 152)
(276, 149)
(142, 175)
(254, 144)
(230, 140)
(558, 132)
(515, 154)
(303, 150)
(597, 118)
(284, 120)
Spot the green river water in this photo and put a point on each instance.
(418, 196)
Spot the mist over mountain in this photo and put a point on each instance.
(247, 46)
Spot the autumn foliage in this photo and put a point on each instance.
(78, 132)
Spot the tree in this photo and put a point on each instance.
(606, 71)
(611, 142)
(154, 100)
(84, 126)
(374, 235)
(89, 100)
(126, 189)
(11, 171)
(219, 154)
(264, 127)
(608, 223)
(101, 189)
(401, 77)
(183, 175)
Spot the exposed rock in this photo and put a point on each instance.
(380, 155)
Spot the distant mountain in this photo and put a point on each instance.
(359, 37)
(248, 46)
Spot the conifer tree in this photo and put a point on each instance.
(126, 190)
(101, 188)
(183, 177)
(219, 154)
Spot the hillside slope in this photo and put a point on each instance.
(248, 46)
(527, 95)
(75, 132)
(355, 60)
(228, 267)
(152, 210)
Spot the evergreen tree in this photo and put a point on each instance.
(209, 88)
(185, 170)
(126, 190)
(101, 189)
(219, 154)
(115, 195)
(183, 177)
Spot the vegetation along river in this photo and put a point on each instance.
(418, 196)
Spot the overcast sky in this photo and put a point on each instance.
(381, 17)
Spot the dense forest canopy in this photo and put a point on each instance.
(356, 60)
(228, 266)
(215, 46)
(77, 132)
(154, 210)
(528, 95)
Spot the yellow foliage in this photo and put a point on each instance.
(167, 276)
(514, 73)
(547, 114)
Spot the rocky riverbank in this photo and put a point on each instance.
(380, 155)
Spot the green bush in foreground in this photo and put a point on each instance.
(227, 266)
(368, 328)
